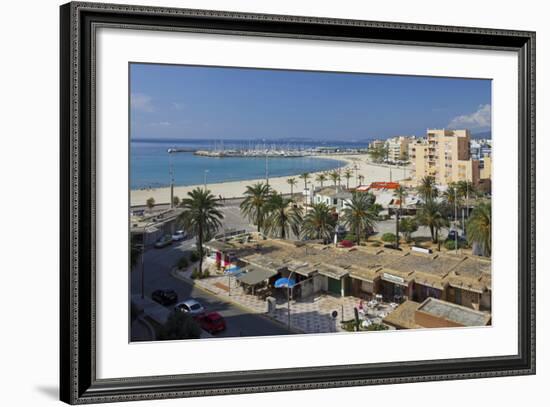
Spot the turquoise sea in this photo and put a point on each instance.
(150, 163)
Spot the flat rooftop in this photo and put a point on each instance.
(433, 264)
(436, 270)
(453, 312)
(403, 316)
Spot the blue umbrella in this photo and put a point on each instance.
(285, 282)
(233, 270)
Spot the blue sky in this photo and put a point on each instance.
(172, 101)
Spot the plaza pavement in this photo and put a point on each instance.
(309, 315)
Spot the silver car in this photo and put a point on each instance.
(191, 306)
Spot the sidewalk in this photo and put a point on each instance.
(310, 315)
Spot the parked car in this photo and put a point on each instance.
(165, 296)
(164, 241)
(453, 235)
(341, 231)
(212, 322)
(178, 236)
(191, 306)
(346, 243)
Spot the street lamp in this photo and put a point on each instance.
(266, 168)
(288, 297)
(456, 222)
(205, 178)
(143, 259)
(171, 172)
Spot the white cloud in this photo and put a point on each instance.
(160, 124)
(480, 119)
(141, 102)
(178, 106)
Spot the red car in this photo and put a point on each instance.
(212, 322)
(346, 243)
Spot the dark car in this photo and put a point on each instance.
(212, 322)
(453, 234)
(165, 296)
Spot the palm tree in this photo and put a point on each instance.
(466, 189)
(400, 193)
(479, 227)
(254, 204)
(432, 215)
(321, 178)
(334, 176)
(347, 175)
(305, 176)
(361, 179)
(356, 169)
(360, 215)
(452, 199)
(292, 182)
(319, 223)
(201, 216)
(451, 195)
(150, 203)
(408, 226)
(427, 188)
(282, 216)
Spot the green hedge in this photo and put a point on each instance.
(451, 244)
(388, 237)
(351, 237)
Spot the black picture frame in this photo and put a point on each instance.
(78, 382)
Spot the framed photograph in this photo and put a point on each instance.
(254, 203)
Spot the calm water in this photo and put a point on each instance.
(149, 163)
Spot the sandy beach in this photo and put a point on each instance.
(234, 189)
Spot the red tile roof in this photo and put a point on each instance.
(384, 185)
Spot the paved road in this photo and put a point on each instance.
(158, 264)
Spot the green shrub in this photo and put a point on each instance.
(377, 327)
(194, 256)
(351, 237)
(195, 274)
(182, 263)
(206, 273)
(388, 237)
(376, 244)
(451, 244)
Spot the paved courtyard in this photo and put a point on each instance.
(309, 315)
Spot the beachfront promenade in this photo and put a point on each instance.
(369, 171)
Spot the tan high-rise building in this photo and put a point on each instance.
(398, 147)
(444, 155)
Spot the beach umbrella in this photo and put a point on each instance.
(285, 282)
(233, 270)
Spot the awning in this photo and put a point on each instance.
(233, 270)
(285, 282)
(335, 273)
(390, 278)
(255, 276)
(218, 246)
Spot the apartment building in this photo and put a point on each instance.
(445, 155)
(398, 147)
(376, 144)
